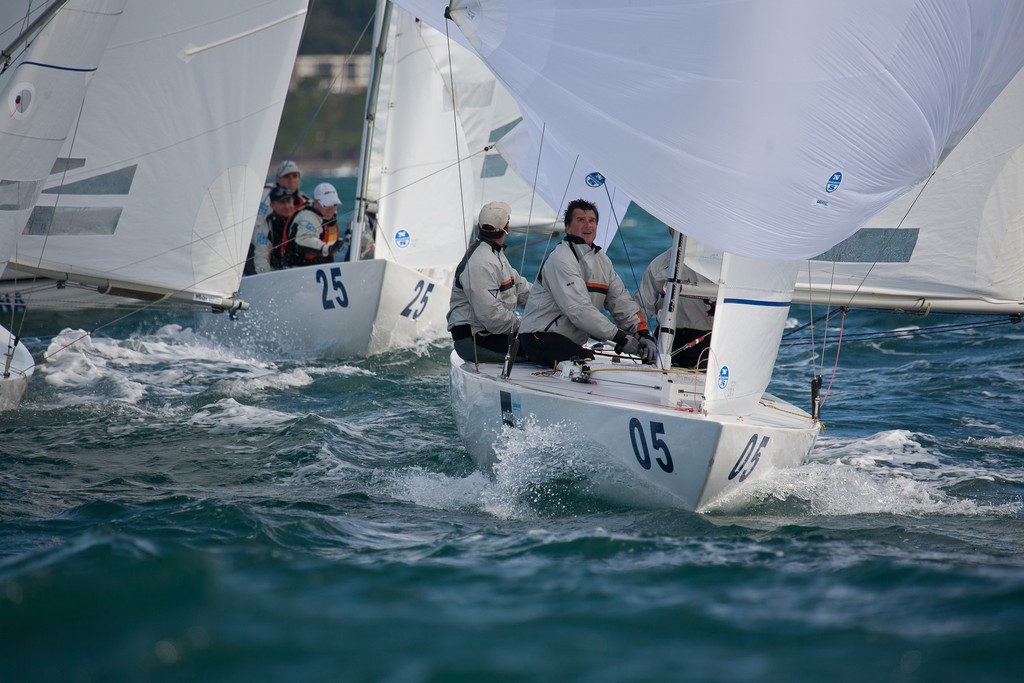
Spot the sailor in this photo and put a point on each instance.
(695, 316)
(269, 249)
(482, 315)
(288, 176)
(575, 282)
(313, 234)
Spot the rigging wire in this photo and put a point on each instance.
(467, 232)
(881, 250)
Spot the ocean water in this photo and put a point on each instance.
(174, 510)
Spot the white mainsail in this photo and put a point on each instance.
(54, 53)
(156, 190)
(428, 172)
(552, 173)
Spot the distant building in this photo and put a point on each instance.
(339, 73)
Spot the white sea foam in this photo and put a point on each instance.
(886, 473)
(228, 416)
(436, 490)
(534, 465)
(171, 362)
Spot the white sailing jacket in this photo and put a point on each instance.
(486, 291)
(575, 282)
(691, 312)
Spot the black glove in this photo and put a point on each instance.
(632, 346)
(620, 340)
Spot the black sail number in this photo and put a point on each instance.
(423, 290)
(331, 286)
(748, 458)
(641, 449)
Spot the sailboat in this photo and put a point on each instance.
(52, 58)
(769, 133)
(426, 167)
(154, 192)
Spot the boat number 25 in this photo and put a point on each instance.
(332, 286)
(643, 452)
(414, 309)
(748, 458)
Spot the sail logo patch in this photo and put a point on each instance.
(595, 179)
(402, 239)
(723, 377)
(20, 100)
(833, 182)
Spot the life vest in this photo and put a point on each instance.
(294, 254)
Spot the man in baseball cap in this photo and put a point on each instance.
(482, 315)
(313, 235)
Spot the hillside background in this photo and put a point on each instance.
(332, 138)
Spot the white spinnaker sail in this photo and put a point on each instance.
(562, 176)
(771, 130)
(41, 91)
(427, 200)
(954, 243)
(159, 184)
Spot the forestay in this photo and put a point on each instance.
(158, 187)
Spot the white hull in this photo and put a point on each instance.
(336, 311)
(644, 451)
(14, 381)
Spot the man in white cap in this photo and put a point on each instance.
(288, 177)
(695, 316)
(313, 235)
(482, 315)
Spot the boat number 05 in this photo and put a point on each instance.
(335, 285)
(420, 298)
(641, 450)
(748, 459)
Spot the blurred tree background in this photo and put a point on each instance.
(333, 138)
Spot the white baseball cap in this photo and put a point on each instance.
(288, 166)
(494, 216)
(326, 195)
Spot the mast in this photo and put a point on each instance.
(359, 221)
(667, 318)
(39, 22)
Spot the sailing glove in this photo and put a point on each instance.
(648, 348)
